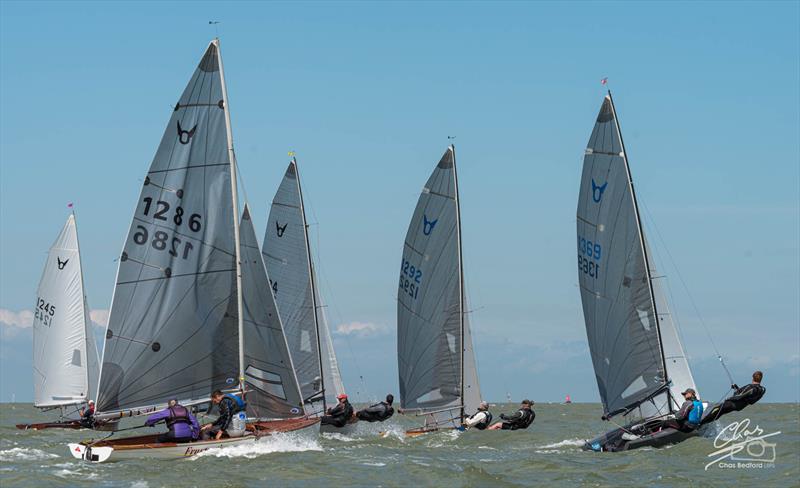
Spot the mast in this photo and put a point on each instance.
(460, 277)
(644, 249)
(313, 286)
(235, 197)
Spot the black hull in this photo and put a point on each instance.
(612, 441)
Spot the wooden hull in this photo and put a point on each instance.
(72, 424)
(427, 430)
(147, 446)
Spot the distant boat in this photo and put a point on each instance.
(436, 360)
(189, 313)
(293, 279)
(639, 361)
(568, 399)
(65, 359)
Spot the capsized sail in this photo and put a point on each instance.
(172, 331)
(64, 349)
(272, 388)
(288, 260)
(436, 360)
(631, 335)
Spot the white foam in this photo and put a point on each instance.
(266, 445)
(338, 437)
(564, 443)
(23, 454)
(374, 464)
(139, 484)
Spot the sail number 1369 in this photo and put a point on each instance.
(589, 254)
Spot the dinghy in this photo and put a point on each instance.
(639, 361)
(65, 359)
(435, 357)
(293, 278)
(192, 309)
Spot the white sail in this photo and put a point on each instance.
(330, 365)
(64, 351)
(172, 331)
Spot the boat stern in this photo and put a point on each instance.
(89, 453)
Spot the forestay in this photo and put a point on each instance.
(288, 260)
(435, 356)
(64, 349)
(173, 325)
(271, 383)
(620, 298)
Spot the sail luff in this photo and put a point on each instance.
(642, 243)
(313, 286)
(235, 202)
(460, 272)
(91, 344)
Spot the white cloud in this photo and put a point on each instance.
(16, 320)
(99, 317)
(360, 329)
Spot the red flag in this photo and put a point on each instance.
(604, 81)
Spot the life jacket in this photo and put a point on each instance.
(527, 418)
(240, 403)
(696, 413)
(178, 415)
(487, 419)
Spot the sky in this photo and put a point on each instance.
(367, 94)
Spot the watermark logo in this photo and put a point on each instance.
(739, 446)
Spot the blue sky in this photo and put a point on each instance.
(367, 93)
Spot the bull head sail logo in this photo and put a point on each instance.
(62, 264)
(427, 225)
(280, 230)
(184, 136)
(597, 191)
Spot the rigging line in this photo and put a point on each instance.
(688, 294)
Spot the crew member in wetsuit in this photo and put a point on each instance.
(520, 420)
(481, 419)
(182, 425)
(741, 398)
(378, 412)
(87, 415)
(339, 415)
(688, 417)
(229, 405)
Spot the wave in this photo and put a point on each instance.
(564, 443)
(276, 443)
(24, 454)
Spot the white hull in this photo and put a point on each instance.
(155, 451)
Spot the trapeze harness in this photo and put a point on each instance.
(523, 421)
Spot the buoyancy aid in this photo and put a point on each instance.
(487, 419)
(696, 413)
(178, 415)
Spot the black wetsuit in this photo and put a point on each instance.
(376, 413)
(520, 420)
(339, 415)
(87, 417)
(742, 397)
(227, 409)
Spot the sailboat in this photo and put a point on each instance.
(191, 310)
(287, 254)
(65, 359)
(639, 361)
(436, 360)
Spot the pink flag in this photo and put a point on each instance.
(69, 205)
(604, 81)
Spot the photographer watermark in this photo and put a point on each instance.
(739, 446)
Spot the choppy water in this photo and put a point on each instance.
(549, 453)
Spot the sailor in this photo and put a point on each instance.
(741, 398)
(688, 417)
(481, 419)
(182, 425)
(339, 415)
(229, 405)
(87, 415)
(378, 412)
(520, 420)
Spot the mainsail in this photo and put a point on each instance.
(64, 348)
(173, 321)
(270, 379)
(287, 256)
(436, 360)
(638, 358)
